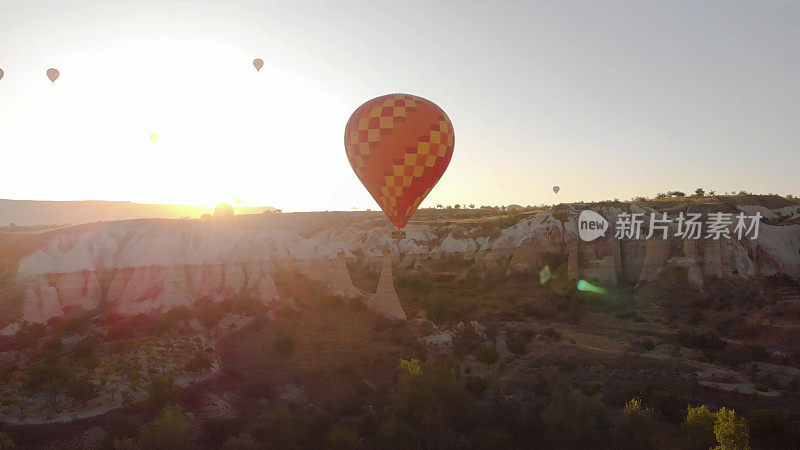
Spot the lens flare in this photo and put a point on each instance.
(544, 275)
(585, 286)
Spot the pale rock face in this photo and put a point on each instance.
(385, 301)
(152, 288)
(341, 284)
(142, 265)
(10, 329)
(692, 268)
(602, 271)
(40, 303)
(751, 210)
(79, 289)
(573, 262)
(234, 279)
(779, 249)
(715, 259)
(267, 291)
(788, 211)
(657, 252)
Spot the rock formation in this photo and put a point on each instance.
(341, 284)
(147, 265)
(385, 301)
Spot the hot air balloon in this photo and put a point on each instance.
(556, 189)
(153, 138)
(258, 63)
(53, 74)
(399, 145)
(1, 74)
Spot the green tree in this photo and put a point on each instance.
(731, 431)
(699, 427)
(699, 192)
(169, 431)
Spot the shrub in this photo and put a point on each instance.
(410, 367)
(552, 334)
(475, 385)
(765, 422)
(285, 344)
(241, 441)
(341, 437)
(632, 407)
(518, 342)
(160, 392)
(647, 344)
(201, 360)
(699, 427)
(700, 339)
(170, 430)
(487, 355)
(731, 431)
(468, 342)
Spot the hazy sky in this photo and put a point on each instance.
(605, 99)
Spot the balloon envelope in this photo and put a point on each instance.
(154, 138)
(556, 189)
(399, 146)
(1, 74)
(53, 74)
(258, 63)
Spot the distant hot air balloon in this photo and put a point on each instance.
(1, 74)
(153, 138)
(53, 74)
(258, 63)
(556, 189)
(399, 146)
(238, 200)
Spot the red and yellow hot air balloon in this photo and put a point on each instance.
(399, 145)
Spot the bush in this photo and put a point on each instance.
(201, 360)
(160, 392)
(340, 437)
(731, 431)
(699, 427)
(552, 334)
(475, 385)
(285, 344)
(169, 431)
(518, 342)
(700, 339)
(467, 343)
(242, 441)
(487, 355)
(647, 344)
(765, 422)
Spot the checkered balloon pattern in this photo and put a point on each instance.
(399, 146)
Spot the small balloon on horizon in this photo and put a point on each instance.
(1, 74)
(53, 74)
(556, 189)
(258, 63)
(153, 138)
